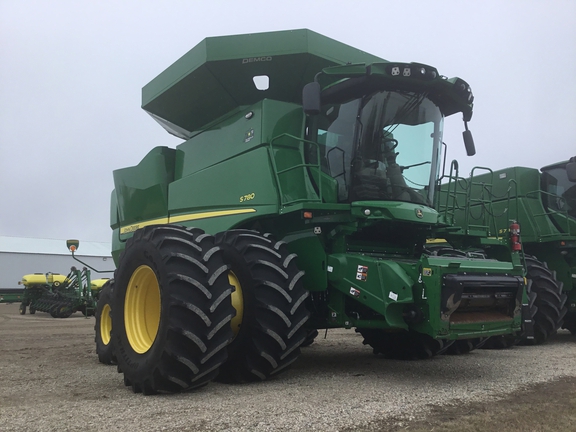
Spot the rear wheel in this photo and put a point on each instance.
(22, 309)
(172, 310)
(32, 310)
(403, 345)
(270, 302)
(103, 326)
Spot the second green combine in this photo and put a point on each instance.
(539, 208)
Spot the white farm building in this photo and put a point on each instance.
(20, 256)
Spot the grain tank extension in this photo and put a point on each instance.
(301, 199)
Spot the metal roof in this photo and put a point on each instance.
(52, 247)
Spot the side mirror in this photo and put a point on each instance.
(311, 98)
(571, 171)
(469, 143)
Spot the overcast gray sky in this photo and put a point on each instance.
(71, 74)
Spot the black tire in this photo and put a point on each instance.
(550, 301)
(570, 322)
(172, 310)
(22, 309)
(464, 346)
(270, 298)
(32, 310)
(103, 325)
(310, 337)
(403, 345)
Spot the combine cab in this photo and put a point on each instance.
(301, 199)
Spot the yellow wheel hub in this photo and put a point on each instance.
(105, 324)
(237, 303)
(142, 309)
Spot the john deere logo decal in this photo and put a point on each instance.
(419, 213)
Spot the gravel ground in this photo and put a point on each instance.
(50, 379)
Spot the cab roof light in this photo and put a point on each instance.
(412, 70)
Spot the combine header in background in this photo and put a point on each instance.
(302, 199)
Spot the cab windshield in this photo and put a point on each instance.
(561, 192)
(383, 146)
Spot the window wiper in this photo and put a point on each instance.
(402, 168)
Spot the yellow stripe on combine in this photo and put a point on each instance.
(194, 216)
(183, 218)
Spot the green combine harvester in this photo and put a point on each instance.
(542, 203)
(302, 198)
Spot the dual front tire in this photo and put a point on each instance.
(270, 299)
(172, 310)
(188, 307)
